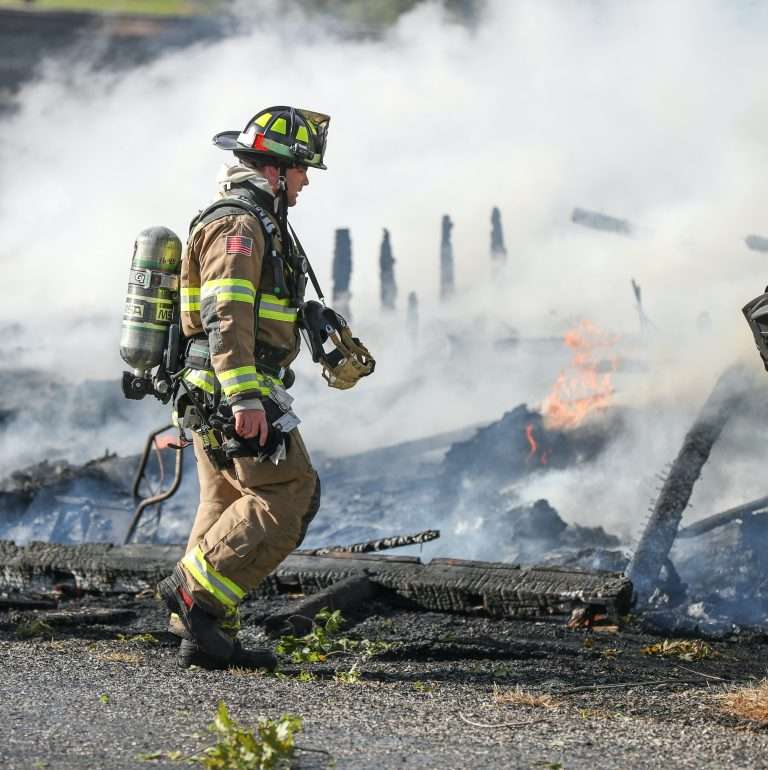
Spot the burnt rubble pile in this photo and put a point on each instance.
(520, 443)
(535, 532)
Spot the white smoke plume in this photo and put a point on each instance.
(655, 111)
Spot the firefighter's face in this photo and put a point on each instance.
(295, 180)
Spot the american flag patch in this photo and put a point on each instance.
(239, 244)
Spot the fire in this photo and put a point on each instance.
(582, 388)
(531, 441)
(535, 446)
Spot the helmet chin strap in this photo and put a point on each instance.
(281, 206)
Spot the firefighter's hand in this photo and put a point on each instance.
(252, 423)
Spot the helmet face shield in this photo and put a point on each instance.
(282, 135)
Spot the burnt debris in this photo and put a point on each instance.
(387, 274)
(446, 259)
(342, 271)
(661, 530)
(498, 249)
(444, 585)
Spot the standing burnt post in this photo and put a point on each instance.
(413, 315)
(342, 271)
(446, 260)
(652, 551)
(498, 249)
(387, 273)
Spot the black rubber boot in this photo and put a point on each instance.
(190, 654)
(201, 625)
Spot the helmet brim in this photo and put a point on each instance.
(227, 140)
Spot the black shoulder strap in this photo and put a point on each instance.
(227, 207)
(310, 271)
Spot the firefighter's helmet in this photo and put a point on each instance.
(280, 135)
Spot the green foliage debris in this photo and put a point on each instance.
(148, 639)
(684, 649)
(271, 746)
(104, 698)
(324, 640)
(348, 677)
(32, 629)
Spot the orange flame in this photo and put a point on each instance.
(582, 388)
(544, 459)
(531, 441)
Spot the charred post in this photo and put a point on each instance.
(757, 243)
(446, 260)
(597, 221)
(413, 315)
(498, 249)
(387, 273)
(661, 530)
(342, 271)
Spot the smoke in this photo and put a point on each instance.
(653, 111)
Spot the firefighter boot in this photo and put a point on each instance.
(190, 654)
(205, 639)
(201, 625)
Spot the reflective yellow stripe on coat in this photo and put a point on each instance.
(222, 588)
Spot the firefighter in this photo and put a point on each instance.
(242, 283)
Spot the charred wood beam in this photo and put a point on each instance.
(446, 585)
(725, 517)
(660, 531)
(345, 595)
(382, 544)
(595, 220)
(757, 243)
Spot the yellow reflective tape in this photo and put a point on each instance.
(230, 282)
(248, 385)
(228, 296)
(229, 373)
(279, 126)
(190, 291)
(189, 306)
(277, 315)
(273, 300)
(225, 590)
(302, 135)
(200, 378)
(262, 120)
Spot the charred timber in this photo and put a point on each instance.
(662, 527)
(345, 595)
(382, 544)
(737, 513)
(598, 221)
(446, 585)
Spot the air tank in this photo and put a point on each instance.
(151, 303)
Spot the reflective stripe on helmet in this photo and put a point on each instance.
(190, 298)
(229, 289)
(222, 588)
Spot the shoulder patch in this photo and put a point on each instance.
(239, 244)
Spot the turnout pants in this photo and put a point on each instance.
(249, 519)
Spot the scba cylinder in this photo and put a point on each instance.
(152, 299)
